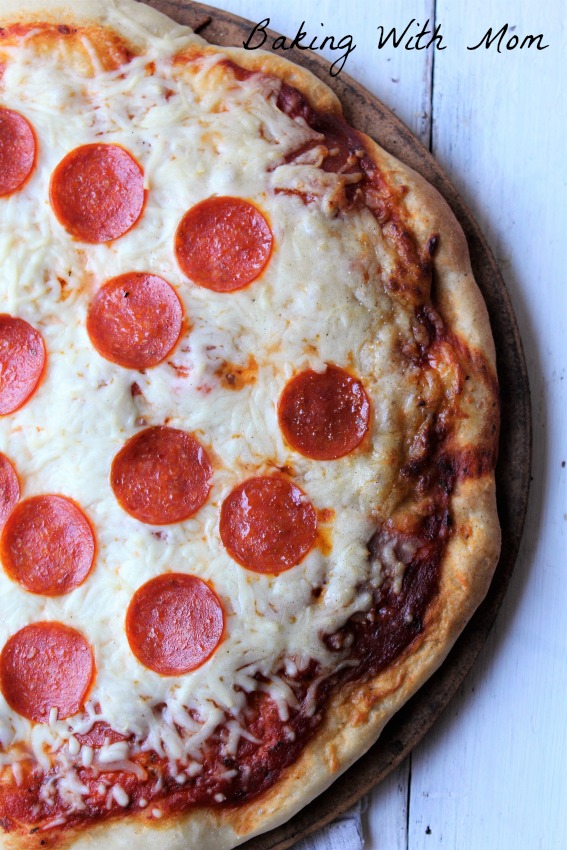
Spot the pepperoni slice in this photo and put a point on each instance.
(9, 488)
(223, 243)
(135, 320)
(324, 415)
(161, 476)
(47, 545)
(174, 623)
(17, 151)
(22, 358)
(97, 192)
(267, 524)
(46, 666)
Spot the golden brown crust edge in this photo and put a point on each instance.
(355, 717)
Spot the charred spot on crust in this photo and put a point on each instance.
(432, 245)
(396, 617)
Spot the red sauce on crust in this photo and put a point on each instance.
(379, 637)
(373, 640)
(347, 153)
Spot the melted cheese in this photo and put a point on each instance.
(320, 299)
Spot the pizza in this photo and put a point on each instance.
(248, 430)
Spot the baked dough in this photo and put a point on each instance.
(355, 713)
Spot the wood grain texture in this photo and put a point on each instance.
(385, 821)
(369, 114)
(492, 773)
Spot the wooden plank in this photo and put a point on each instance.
(492, 771)
(386, 816)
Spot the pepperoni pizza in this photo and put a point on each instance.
(248, 424)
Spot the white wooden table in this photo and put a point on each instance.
(492, 772)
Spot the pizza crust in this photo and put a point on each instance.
(356, 715)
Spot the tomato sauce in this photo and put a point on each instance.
(377, 638)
